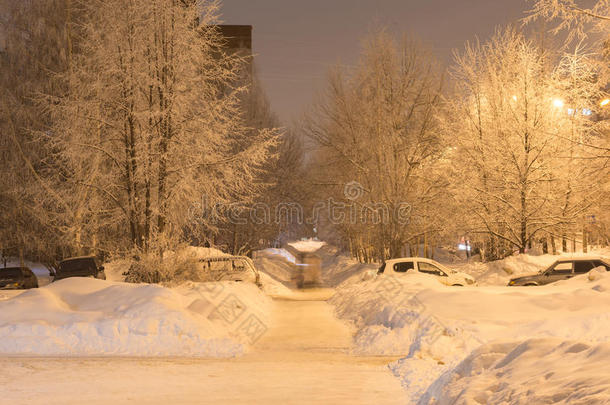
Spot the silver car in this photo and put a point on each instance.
(562, 269)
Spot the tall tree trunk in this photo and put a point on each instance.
(545, 245)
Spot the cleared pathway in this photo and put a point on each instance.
(304, 358)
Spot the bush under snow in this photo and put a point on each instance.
(536, 371)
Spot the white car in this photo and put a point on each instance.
(397, 267)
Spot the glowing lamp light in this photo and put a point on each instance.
(604, 102)
(515, 98)
(558, 103)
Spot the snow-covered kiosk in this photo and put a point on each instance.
(308, 264)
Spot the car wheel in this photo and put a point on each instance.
(530, 285)
(457, 285)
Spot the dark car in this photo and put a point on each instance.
(562, 269)
(17, 278)
(79, 267)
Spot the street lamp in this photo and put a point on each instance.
(557, 102)
(604, 102)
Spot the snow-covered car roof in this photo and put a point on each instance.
(223, 258)
(582, 259)
(78, 258)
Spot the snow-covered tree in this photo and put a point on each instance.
(33, 46)
(513, 116)
(578, 18)
(587, 22)
(378, 146)
(150, 125)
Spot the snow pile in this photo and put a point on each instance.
(85, 317)
(273, 287)
(500, 272)
(307, 246)
(338, 267)
(437, 326)
(537, 371)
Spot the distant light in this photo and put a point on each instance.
(558, 103)
(515, 98)
(586, 111)
(571, 111)
(604, 102)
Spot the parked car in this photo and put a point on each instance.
(425, 266)
(17, 278)
(230, 268)
(85, 266)
(562, 269)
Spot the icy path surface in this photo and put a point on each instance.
(302, 359)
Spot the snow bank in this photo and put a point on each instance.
(537, 371)
(85, 317)
(338, 267)
(272, 287)
(500, 272)
(437, 326)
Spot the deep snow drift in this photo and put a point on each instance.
(83, 316)
(438, 326)
(537, 371)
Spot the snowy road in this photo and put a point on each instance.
(302, 359)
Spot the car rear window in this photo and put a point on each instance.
(76, 264)
(583, 267)
(10, 273)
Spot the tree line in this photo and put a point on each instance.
(124, 122)
(117, 118)
(508, 146)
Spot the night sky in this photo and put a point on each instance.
(296, 41)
